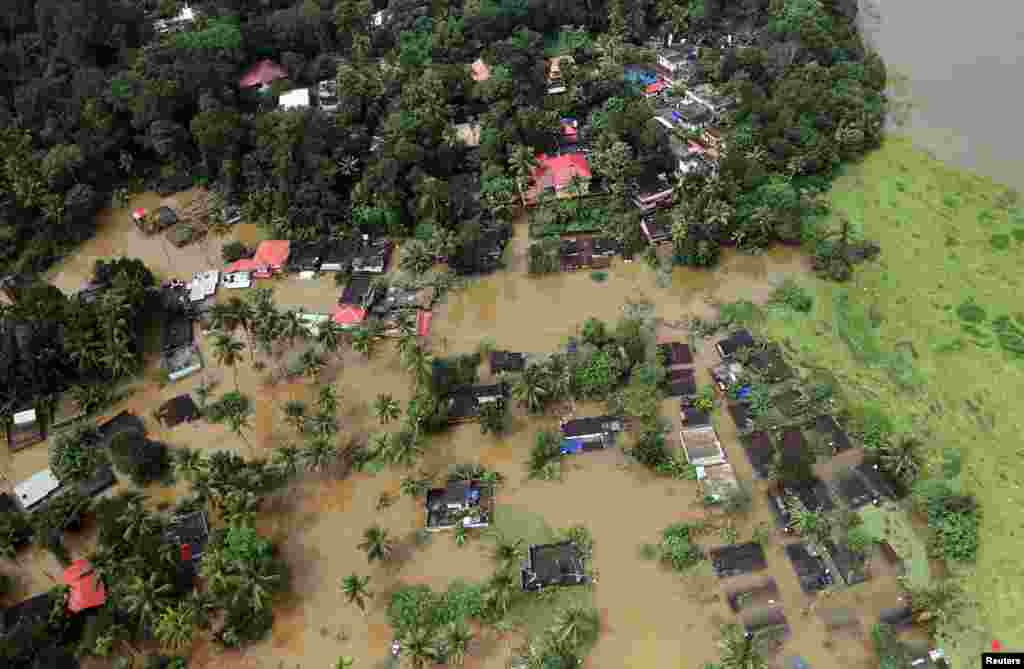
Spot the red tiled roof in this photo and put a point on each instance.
(656, 87)
(262, 73)
(87, 591)
(273, 252)
(480, 71)
(560, 169)
(347, 314)
(423, 319)
(244, 265)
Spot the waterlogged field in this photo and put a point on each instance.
(931, 334)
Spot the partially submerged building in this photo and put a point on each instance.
(736, 559)
(470, 503)
(548, 565)
(190, 533)
(810, 568)
(36, 489)
(734, 342)
(578, 253)
(180, 356)
(85, 588)
(24, 430)
(372, 258)
(675, 354)
(589, 434)
(177, 410)
(464, 403)
(701, 446)
(507, 361)
(563, 176)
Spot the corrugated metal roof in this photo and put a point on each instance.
(36, 488)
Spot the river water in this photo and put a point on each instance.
(952, 68)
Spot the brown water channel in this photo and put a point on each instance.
(650, 617)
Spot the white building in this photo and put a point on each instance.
(297, 98)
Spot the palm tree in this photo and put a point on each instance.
(143, 598)
(189, 464)
(739, 650)
(575, 626)
(255, 588)
(499, 592)
(295, 414)
(420, 364)
(404, 447)
(287, 458)
(312, 363)
(323, 425)
(530, 388)
(330, 336)
(522, 162)
(320, 454)
(558, 377)
(377, 544)
(418, 646)
(507, 552)
(242, 315)
(345, 662)
(237, 411)
(327, 400)
(292, 327)
(222, 318)
(355, 591)
(386, 408)
(228, 351)
(175, 625)
(137, 521)
(456, 641)
(362, 341)
(903, 461)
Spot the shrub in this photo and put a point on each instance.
(952, 518)
(75, 455)
(793, 296)
(235, 250)
(544, 456)
(859, 540)
(144, 461)
(677, 548)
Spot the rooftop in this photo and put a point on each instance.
(701, 446)
(507, 361)
(35, 489)
(191, 532)
(86, 589)
(178, 410)
(592, 426)
(297, 98)
(736, 559)
(469, 502)
(676, 353)
(261, 74)
(810, 568)
(734, 342)
(552, 565)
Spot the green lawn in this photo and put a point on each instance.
(893, 526)
(907, 335)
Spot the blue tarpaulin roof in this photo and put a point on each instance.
(571, 446)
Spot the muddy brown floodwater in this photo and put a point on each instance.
(650, 617)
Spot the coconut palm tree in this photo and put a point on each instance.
(420, 364)
(377, 544)
(295, 414)
(363, 341)
(323, 425)
(175, 625)
(903, 460)
(292, 327)
(327, 400)
(419, 646)
(456, 642)
(255, 588)
(143, 598)
(189, 464)
(345, 662)
(507, 552)
(575, 626)
(312, 362)
(242, 315)
(287, 459)
(522, 162)
(228, 351)
(330, 337)
(354, 588)
(237, 410)
(386, 408)
(499, 592)
(558, 377)
(739, 650)
(404, 447)
(320, 454)
(530, 388)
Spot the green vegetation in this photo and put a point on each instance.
(678, 548)
(903, 320)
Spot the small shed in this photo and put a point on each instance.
(682, 383)
(736, 559)
(507, 361)
(203, 285)
(468, 502)
(25, 430)
(85, 589)
(692, 417)
(177, 410)
(36, 489)
(348, 316)
(558, 564)
(190, 532)
(297, 98)
(810, 568)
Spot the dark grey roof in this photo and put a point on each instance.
(177, 332)
(738, 559)
(759, 450)
(810, 570)
(103, 479)
(464, 402)
(178, 410)
(445, 504)
(553, 564)
(507, 361)
(581, 427)
(735, 341)
(358, 291)
(27, 612)
(189, 529)
(694, 417)
(682, 383)
(676, 353)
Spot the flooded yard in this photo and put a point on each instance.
(650, 617)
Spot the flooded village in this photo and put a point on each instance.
(648, 614)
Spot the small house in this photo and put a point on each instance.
(327, 95)
(261, 75)
(480, 71)
(36, 489)
(701, 446)
(810, 567)
(271, 256)
(596, 430)
(692, 417)
(336, 254)
(85, 588)
(464, 403)
(25, 430)
(181, 362)
(734, 342)
(190, 532)
(372, 258)
(507, 361)
(234, 280)
(578, 253)
(304, 256)
(676, 65)
(563, 176)
(736, 559)
(297, 98)
(470, 503)
(180, 409)
(482, 254)
(654, 190)
(682, 383)
(349, 316)
(675, 354)
(203, 285)
(177, 23)
(558, 564)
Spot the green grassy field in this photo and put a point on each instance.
(930, 334)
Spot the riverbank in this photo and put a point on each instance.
(948, 238)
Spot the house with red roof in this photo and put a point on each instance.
(262, 74)
(480, 70)
(86, 590)
(556, 174)
(270, 258)
(349, 316)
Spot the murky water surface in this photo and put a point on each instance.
(650, 618)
